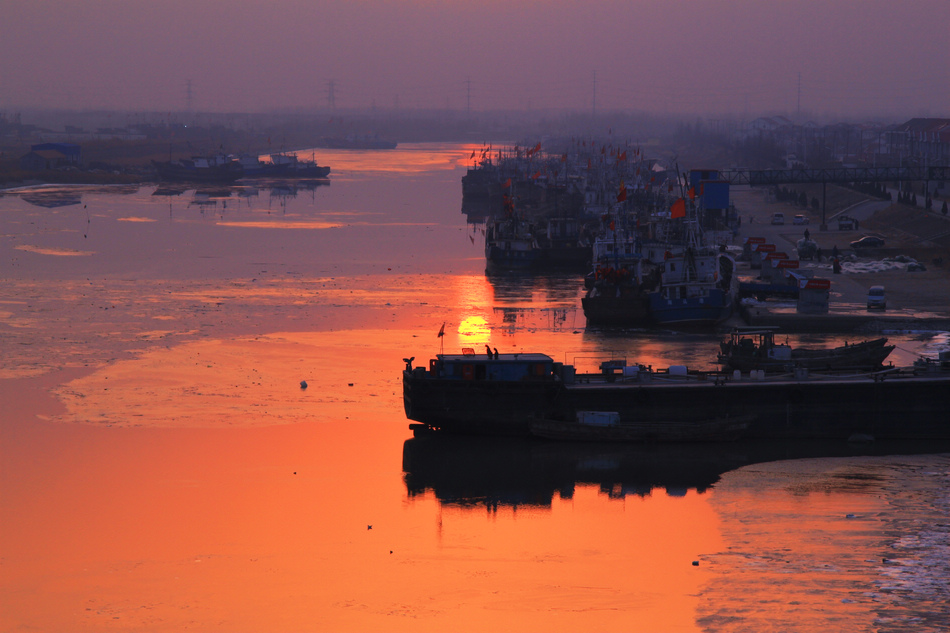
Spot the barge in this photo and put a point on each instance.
(509, 394)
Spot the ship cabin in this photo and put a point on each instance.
(493, 367)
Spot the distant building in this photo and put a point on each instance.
(926, 140)
(51, 156)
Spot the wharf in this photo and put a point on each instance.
(840, 318)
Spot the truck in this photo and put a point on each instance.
(847, 223)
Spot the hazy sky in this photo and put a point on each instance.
(855, 57)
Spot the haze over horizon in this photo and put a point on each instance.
(856, 58)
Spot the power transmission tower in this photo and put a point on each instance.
(468, 96)
(331, 94)
(798, 107)
(593, 107)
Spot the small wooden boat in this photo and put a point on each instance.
(749, 349)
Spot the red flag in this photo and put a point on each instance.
(564, 158)
(473, 154)
(588, 163)
(622, 195)
(507, 183)
(678, 210)
(537, 148)
(692, 193)
(624, 155)
(442, 330)
(536, 175)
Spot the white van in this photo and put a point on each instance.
(876, 298)
(778, 218)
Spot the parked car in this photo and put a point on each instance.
(868, 241)
(800, 219)
(778, 218)
(876, 298)
(847, 223)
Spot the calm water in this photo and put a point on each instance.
(163, 469)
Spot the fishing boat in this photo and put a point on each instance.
(254, 167)
(617, 288)
(217, 168)
(695, 289)
(504, 394)
(510, 245)
(294, 167)
(755, 348)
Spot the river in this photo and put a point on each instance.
(163, 467)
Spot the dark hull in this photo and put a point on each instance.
(898, 407)
(179, 173)
(629, 310)
(308, 171)
(479, 408)
(708, 310)
(499, 258)
(712, 430)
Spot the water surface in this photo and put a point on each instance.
(162, 467)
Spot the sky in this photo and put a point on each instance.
(828, 57)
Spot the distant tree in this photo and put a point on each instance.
(815, 204)
(913, 199)
(890, 196)
(929, 203)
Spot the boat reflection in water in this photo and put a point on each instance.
(496, 472)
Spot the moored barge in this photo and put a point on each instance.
(504, 394)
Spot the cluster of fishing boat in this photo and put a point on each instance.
(650, 239)
(653, 244)
(222, 168)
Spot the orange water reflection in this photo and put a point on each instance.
(250, 527)
(182, 478)
(406, 159)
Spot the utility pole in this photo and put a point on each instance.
(331, 94)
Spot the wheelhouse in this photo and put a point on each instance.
(495, 367)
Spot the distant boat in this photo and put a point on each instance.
(294, 167)
(217, 168)
(254, 167)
